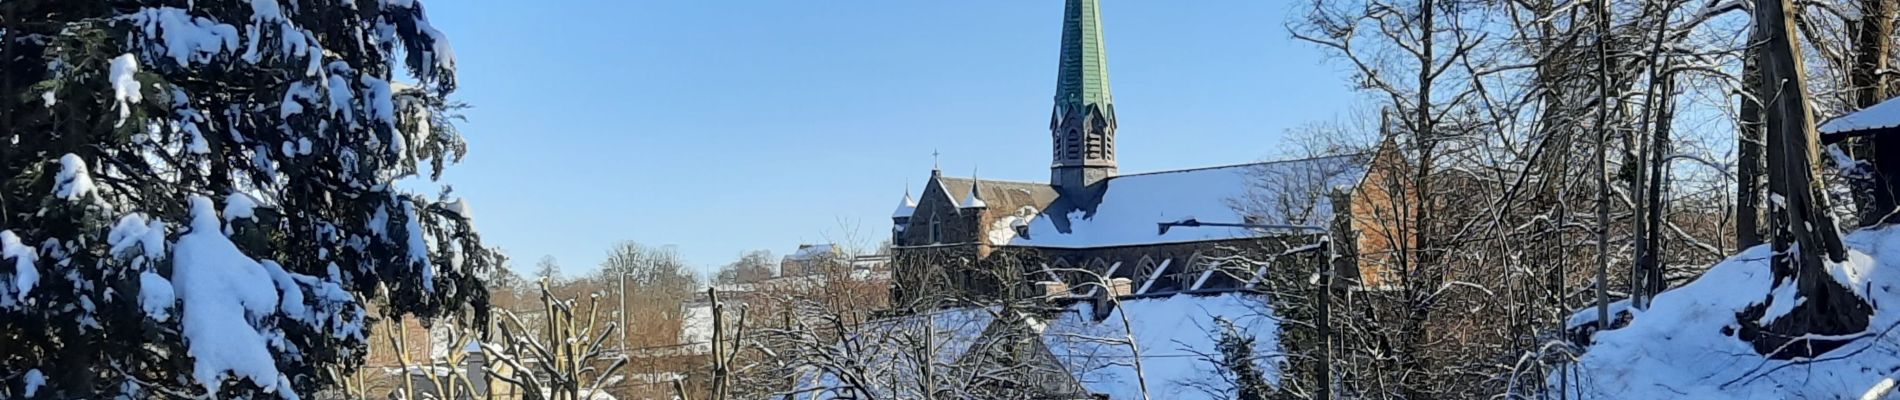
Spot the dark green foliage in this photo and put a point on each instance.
(312, 109)
(1237, 360)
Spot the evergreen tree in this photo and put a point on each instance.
(199, 197)
(1236, 360)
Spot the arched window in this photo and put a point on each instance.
(1061, 267)
(1203, 273)
(1150, 273)
(936, 230)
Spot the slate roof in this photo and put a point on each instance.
(1130, 207)
(1002, 195)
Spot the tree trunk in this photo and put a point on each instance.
(1802, 226)
(1748, 180)
(1873, 47)
(1603, 164)
(1658, 178)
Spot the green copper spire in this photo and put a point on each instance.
(1082, 125)
(1082, 79)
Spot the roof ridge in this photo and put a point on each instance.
(1240, 165)
(994, 181)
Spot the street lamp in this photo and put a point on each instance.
(1325, 281)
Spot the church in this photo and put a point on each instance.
(991, 238)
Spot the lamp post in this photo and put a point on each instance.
(1324, 322)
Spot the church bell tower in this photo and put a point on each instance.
(1083, 122)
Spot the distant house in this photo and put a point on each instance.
(808, 259)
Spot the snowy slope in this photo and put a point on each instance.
(1677, 348)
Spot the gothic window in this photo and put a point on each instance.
(1148, 274)
(936, 230)
(1096, 266)
(1202, 273)
(1061, 267)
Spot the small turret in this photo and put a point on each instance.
(975, 199)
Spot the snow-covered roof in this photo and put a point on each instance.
(905, 207)
(807, 252)
(1173, 334)
(1131, 206)
(975, 196)
(1880, 116)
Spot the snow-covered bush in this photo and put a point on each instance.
(199, 197)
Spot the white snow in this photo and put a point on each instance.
(1883, 115)
(155, 296)
(239, 206)
(974, 200)
(25, 275)
(185, 38)
(905, 207)
(418, 247)
(382, 109)
(48, 98)
(1678, 349)
(125, 84)
(134, 230)
(460, 208)
(223, 292)
(74, 180)
(341, 96)
(34, 381)
(294, 96)
(1133, 205)
(809, 252)
(1171, 332)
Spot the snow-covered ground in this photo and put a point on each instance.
(1680, 347)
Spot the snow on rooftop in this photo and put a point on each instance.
(1883, 115)
(812, 251)
(1132, 206)
(905, 207)
(975, 198)
(1172, 333)
(1678, 349)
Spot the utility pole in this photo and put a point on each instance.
(1326, 270)
(622, 314)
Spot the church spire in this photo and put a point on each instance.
(1082, 123)
(1082, 75)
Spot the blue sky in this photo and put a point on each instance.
(725, 126)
